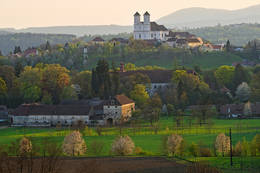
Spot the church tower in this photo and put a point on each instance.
(147, 26)
(137, 18)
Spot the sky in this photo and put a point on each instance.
(39, 13)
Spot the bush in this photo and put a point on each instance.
(138, 151)
(123, 145)
(96, 147)
(205, 152)
(174, 144)
(201, 168)
(87, 131)
(238, 149)
(194, 150)
(74, 144)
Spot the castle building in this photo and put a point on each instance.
(147, 30)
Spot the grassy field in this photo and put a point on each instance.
(149, 140)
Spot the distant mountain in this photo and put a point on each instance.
(78, 30)
(201, 17)
(238, 34)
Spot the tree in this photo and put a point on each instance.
(123, 145)
(240, 75)
(3, 88)
(228, 46)
(54, 79)
(17, 49)
(247, 109)
(174, 143)
(139, 94)
(48, 46)
(69, 93)
(103, 82)
(115, 80)
(31, 93)
(243, 92)
(74, 144)
(47, 98)
(25, 146)
(222, 144)
(224, 75)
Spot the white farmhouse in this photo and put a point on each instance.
(147, 30)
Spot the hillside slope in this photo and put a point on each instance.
(201, 17)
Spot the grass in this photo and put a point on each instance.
(151, 142)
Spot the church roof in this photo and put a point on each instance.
(156, 27)
(146, 13)
(137, 14)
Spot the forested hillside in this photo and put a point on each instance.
(238, 34)
(25, 40)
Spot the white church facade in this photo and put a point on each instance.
(147, 30)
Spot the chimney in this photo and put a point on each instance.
(122, 67)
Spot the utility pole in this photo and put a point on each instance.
(230, 136)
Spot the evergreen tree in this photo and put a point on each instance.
(115, 79)
(48, 46)
(254, 50)
(94, 83)
(17, 49)
(228, 46)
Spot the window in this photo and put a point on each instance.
(152, 35)
(140, 36)
(115, 106)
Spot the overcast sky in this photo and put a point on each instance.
(34, 13)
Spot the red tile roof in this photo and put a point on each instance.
(123, 100)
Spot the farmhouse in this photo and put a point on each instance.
(236, 110)
(94, 112)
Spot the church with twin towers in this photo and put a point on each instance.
(147, 30)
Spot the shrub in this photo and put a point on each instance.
(222, 144)
(138, 151)
(87, 131)
(205, 152)
(25, 146)
(255, 145)
(245, 147)
(201, 168)
(194, 149)
(174, 143)
(238, 149)
(123, 145)
(74, 144)
(96, 147)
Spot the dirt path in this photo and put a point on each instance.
(122, 165)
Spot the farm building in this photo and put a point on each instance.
(94, 112)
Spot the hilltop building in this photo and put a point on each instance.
(151, 31)
(147, 30)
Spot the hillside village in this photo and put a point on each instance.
(157, 99)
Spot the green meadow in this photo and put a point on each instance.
(150, 140)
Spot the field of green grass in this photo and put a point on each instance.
(145, 136)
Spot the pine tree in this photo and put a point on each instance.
(228, 46)
(48, 46)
